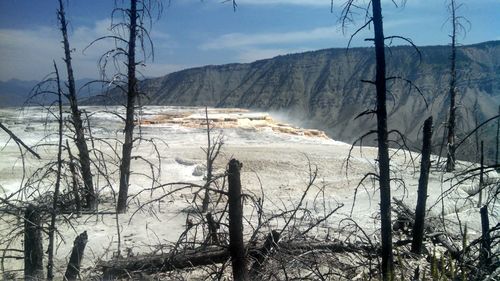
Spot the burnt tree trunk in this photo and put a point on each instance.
(485, 255)
(425, 165)
(73, 269)
(450, 160)
(55, 198)
(33, 248)
(121, 206)
(81, 144)
(383, 147)
(206, 198)
(74, 180)
(481, 178)
(236, 244)
(212, 238)
(497, 140)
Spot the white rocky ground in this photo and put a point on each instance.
(275, 161)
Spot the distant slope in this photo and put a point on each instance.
(323, 89)
(15, 92)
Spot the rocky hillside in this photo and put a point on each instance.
(323, 89)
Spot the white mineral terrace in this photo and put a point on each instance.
(226, 118)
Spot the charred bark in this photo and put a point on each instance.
(55, 198)
(33, 248)
(74, 181)
(481, 177)
(75, 260)
(81, 144)
(485, 254)
(130, 111)
(208, 256)
(213, 226)
(383, 147)
(425, 165)
(450, 160)
(236, 244)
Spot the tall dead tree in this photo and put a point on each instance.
(425, 165)
(383, 146)
(450, 159)
(130, 110)
(382, 133)
(81, 144)
(55, 197)
(497, 140)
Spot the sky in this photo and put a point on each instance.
(190, 33)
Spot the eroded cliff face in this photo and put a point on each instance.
(323, 89)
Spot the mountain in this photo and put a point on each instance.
(323, 89)
(15, 92)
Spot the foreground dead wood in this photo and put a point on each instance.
(33, 249)
(216, 255)
(73, 269)
(405, 213)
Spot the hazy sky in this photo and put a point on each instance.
(194, 33)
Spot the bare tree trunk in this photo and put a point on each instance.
(83, 151)
(450, 161)
(383, 148)
(425, 164)
(485, 254)
(236, 244)
(74, 181)
(497, 140)
(121, 206)
(481, 178)
(206, 199)
(212, 230)
(33, 249)
(53, 212)
(75, 260)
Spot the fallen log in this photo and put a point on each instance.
(215, 255)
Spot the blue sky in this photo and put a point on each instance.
(194, 33)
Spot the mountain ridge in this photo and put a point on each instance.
(323, 88)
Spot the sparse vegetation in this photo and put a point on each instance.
(276, 215)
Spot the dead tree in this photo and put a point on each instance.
(212, 152)
(236, 244)
(481, 177)
(75, 260)
(451, 158)
(425, 165)
(55, 198)
(380, 83)
(132, 92)
(33, 249)
(497, 140)
(81, 144)
(74, 180)
(485, 254)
